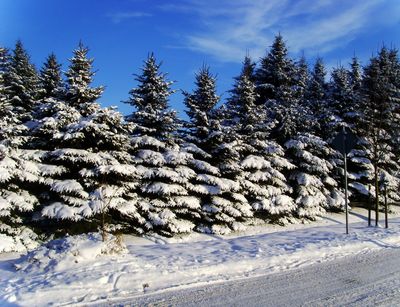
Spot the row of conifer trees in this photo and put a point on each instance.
(69, 165)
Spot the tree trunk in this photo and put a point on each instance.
(103, 226)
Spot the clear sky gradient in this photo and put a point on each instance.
(186, 34)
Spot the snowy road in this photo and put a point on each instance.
(366, 279)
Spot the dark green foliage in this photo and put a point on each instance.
(79, 94)
(51, 82)
(199, 107)
(21, 82)
(152, 116)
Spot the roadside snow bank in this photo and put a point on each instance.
(64, 253)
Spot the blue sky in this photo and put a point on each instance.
(186, 34)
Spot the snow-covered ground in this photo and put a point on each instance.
(367, 279)
(76, 270)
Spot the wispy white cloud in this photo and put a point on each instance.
(122, 16)
(228, 28)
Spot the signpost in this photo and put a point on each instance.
(344, 142)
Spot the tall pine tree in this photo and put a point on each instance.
(165, 199)
(21, 81)
(223, 209)
(90, 178)
(261, 158)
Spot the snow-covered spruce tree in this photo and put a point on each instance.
(395, 102)
(21, 82)
(316, 100)
(359, 165)
(199, 106)
(342, 99)
(8, 120)
(302, 80)
(90, 177)
(248, 69)
(16, 172)
(51, 113)
(223, 207)
(233, 106)
(378, 96)
(163, 189)
(50, 79)
(355, 79)
(315, 190)
(274, 76)
(79, 93)
(152, 116)
(4, 62)
(261, 159)
(313, 187)
(275, 85)
(343, 107)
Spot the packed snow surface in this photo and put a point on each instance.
(83, 270)
(366, 279)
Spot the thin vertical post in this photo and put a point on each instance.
(345, 181)
(386, 209)
(346, 193)
(369, 205)
(376, 197)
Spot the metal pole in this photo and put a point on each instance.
(346, 193)
(369, 205)
(345, 181)
(386, 209)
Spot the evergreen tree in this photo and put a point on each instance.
(164, 196)
(51, 82)
(199, 106)
(21, 82)
(150, 99)
(17, 171)
(378, 96)
(343, 101)
(248, 69)
(317, 99)
(315, 190)
(274, 77)
(225, 152)
(302, 80)
(340, 99)
(313, 187)
(79, 93)
(355, 78)
(51, 113)
(8, 121)
(395, 101)
(261, 159)
(223, 209)
(16, 202)
(275, 83)
(4, 62)
(233, 105)
(90, 177)
(355, 74)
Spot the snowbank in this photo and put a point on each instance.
(22, 240)
(65, 253)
